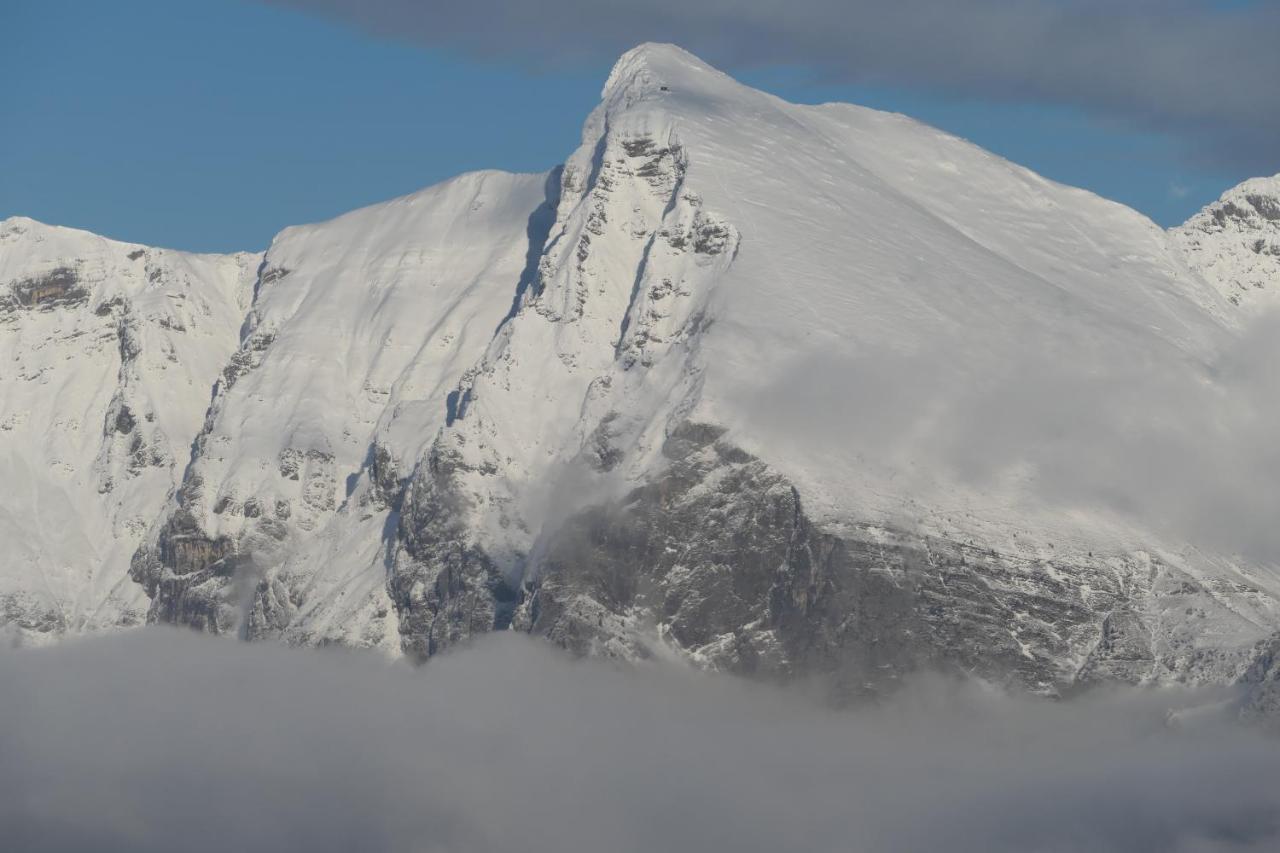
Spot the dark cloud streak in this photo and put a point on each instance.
(1200, 70)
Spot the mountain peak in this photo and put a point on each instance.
(1251, 205)
(1235, 242)
(655, 67)
(18, 225)
(1263, 185)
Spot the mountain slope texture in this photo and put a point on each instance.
(789, 391)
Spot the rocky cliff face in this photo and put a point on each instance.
(716, 560)
(792, 392)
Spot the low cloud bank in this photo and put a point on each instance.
(159, 740)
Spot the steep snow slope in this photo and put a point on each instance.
(1235, 243)
(109, 351)
(930, 364)
(359, 329)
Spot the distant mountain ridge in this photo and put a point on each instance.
(713, 390)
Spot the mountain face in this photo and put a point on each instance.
(781, 390)
(359, 331)
(110, 350)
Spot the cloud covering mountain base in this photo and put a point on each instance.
(157, 740)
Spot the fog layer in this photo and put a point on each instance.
(166, 741)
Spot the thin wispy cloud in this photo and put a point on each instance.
(1201, 70)
(1187, 454)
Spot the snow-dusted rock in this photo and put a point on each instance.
(1235, 243)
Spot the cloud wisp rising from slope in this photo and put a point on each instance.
(160, 741)
(1200, 69)
(1186, 451)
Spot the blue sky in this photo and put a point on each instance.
(210, 125)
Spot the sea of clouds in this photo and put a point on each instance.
(164, 740)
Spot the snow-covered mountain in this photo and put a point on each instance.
(777, 389)
(359, 331)
(109, 352)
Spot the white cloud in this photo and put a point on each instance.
(1186, 451)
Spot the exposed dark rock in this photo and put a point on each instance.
(1260, 209)
(640, 146)
(272, 275)
(247, 358)
(1262, 682)
(290, 463)
(225, 505)
(603, 452)
(186, 576)
(718, 556)
(58, 287)
(1123, 652)
(125, 422)
(444, 589)
(109, 307)
(320, 481)
(384, 476)
(1266, 206)
(25, 612)
(712, 237)
(273, 606)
